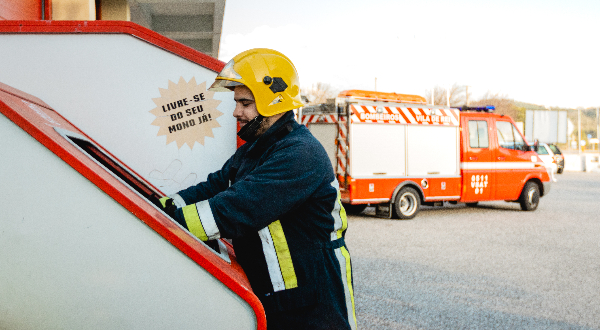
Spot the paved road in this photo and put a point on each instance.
(490, 267)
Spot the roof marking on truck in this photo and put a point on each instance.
(403, 115)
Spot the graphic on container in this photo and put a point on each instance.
(186, 112)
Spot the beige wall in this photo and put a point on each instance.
(115, 10)
(84, 10)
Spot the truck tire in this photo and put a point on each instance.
(354, 209)
(407, 203)
(472, 204)
(530, 197)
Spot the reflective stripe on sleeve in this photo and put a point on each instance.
(278, 257)
(200, 221)
(208, 220)
(271, 259)
(343, 257)
(339, 214)
(192, 220)
(178, 201)
(342, 254)
(283, 255)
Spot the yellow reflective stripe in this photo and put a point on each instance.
(349, 277)
(163, 201)
(192, 220)
(271, 259)
(342, 215)
(283, 255)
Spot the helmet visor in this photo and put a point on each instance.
(221, 85)
(224, 82)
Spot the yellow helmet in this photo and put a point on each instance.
(270, 76)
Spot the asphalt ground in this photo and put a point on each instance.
(489, 267)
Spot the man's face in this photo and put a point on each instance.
(245, 106)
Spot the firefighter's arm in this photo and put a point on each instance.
(289, 176)
(215, 183)
(197, 218)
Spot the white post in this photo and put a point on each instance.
(579, 130)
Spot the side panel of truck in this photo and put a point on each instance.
(390, 145)
(326, 132)
(432, 151)
(385, 155)
(377, 150)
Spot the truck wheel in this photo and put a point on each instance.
(560, 170)
(473, 204)
(530, 197)
(354, 209)
(407, 203)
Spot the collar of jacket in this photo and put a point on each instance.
(282, 127)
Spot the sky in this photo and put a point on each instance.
(544, 52)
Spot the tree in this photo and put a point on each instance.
(318, 93)
(504, 105)
(458, 95)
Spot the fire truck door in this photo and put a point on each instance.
(513, 163)
(477, 163)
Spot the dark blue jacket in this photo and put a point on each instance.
(278, 200)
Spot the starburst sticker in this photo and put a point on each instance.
(186, 112)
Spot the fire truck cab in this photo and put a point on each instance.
(395, 152)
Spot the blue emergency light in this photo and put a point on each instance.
(487, 108)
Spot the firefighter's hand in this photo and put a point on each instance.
(167, 205)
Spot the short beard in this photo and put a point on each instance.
(264, 126)
(253, 129)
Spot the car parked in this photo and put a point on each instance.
(558, 157)
(545, 153)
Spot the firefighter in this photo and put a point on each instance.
(278, 200)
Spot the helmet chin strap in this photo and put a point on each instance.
(248, 132)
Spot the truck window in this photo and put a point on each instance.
(478, 134)
(509, 137)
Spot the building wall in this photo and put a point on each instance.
(20, 10)
(114, 10)
(195, 23)
(79, 10)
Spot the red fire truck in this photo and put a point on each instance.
(397, 153)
